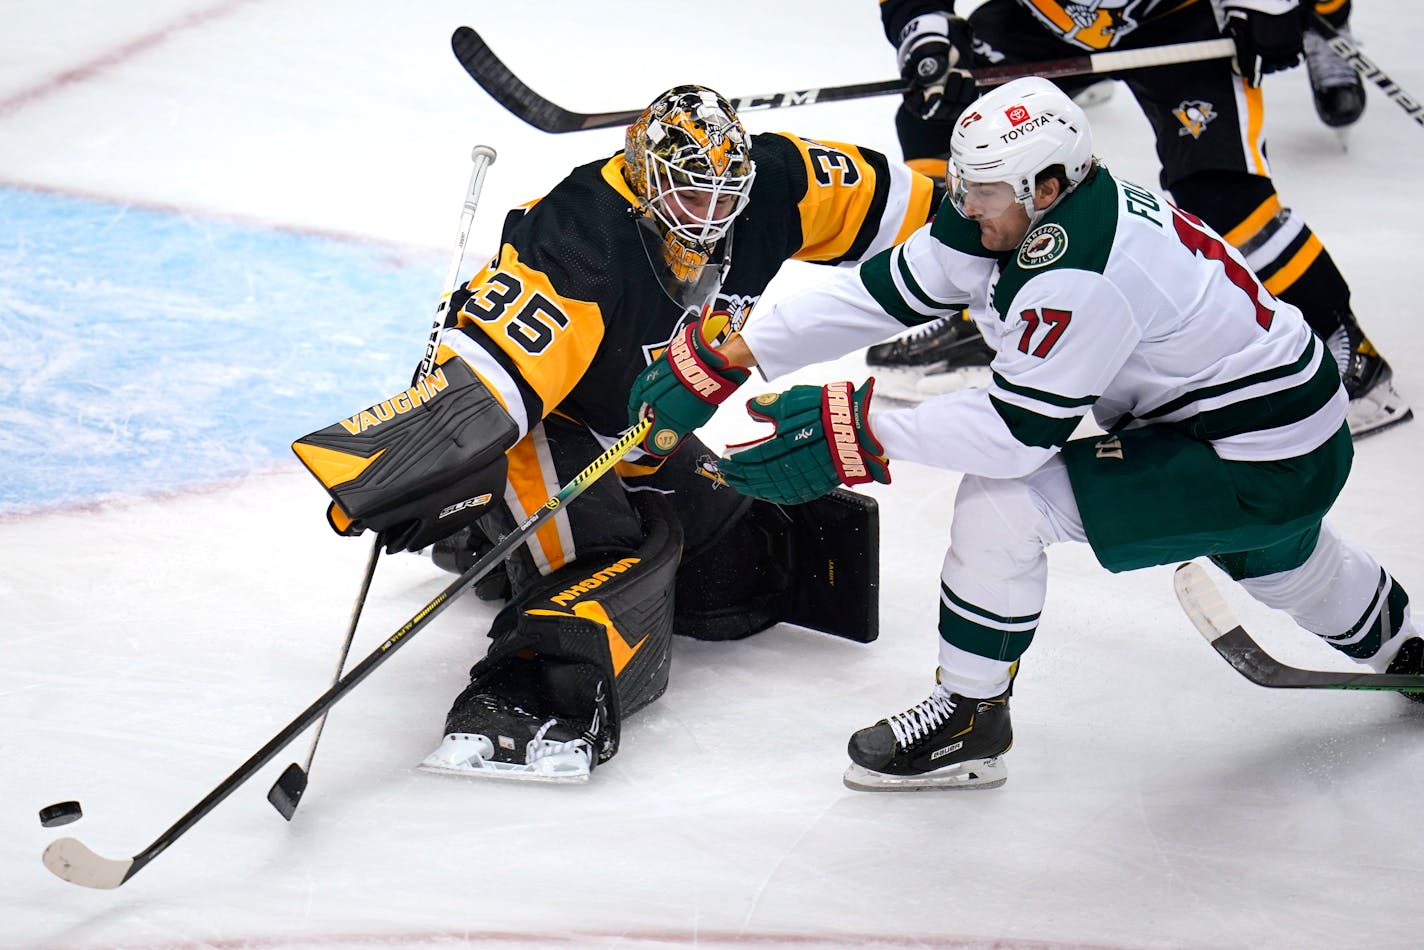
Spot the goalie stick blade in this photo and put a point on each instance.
(286, 793)
(509, 91)
(1209, 613)
(71, 860)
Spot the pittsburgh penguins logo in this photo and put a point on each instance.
(1194, 114)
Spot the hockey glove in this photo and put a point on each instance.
(934, 55)
(1265, 41)
(822, 440)
(418, 466)
(681, 390)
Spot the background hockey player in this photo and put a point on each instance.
(1225, 417)
(1208, 122)
(667, 244)
(1335, 87)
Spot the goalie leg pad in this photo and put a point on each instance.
(591, 643)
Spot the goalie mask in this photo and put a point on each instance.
(1013, 133)
(689, 163)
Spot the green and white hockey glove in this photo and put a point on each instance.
(681, 390)
(822, 440)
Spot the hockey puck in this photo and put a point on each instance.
(60, 813)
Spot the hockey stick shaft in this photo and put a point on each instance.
(510, 91)
(74, 861)
(286, 793)
(1214, 620)
(1368, 69)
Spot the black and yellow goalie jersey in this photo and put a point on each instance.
(578, 300)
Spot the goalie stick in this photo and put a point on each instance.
(286, 793)
(1367, 69)
(1203, 603)
(510, 91)
(73, 861)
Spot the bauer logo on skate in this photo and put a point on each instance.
(421, 392)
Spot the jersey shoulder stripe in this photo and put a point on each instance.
(887, 278)
(841, 194)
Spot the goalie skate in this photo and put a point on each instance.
(511, 745)
(560, 763)
(1377, 408)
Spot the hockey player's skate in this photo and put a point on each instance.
(939, 357)
(489, 737)
(1369, 382)
(1409, 660)
(1338, 91)
(946, 741)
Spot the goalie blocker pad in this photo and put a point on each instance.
(832, 545)
(417, 466)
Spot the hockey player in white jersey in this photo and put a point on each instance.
(1223, 418)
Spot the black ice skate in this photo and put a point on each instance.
(1409, 660)
(490, 737)
(1374, 404)
(1338, 91)
(946, 741)
(458, 552)
(939, 357)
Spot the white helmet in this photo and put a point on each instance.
(1014, 132)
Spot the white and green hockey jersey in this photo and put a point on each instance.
(1115, 302)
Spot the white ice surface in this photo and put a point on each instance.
(1155, 798)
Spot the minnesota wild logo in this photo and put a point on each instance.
(1044, 245)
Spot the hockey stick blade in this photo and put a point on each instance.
(71, 859)
(510, 91)
(1209, 613)
(286, 793)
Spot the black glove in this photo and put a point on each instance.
(1265, 42)
(934, 54)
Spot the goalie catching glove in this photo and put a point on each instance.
(418, 466)
(822, 440)
(681, 389)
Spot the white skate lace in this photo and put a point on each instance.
(1328, 68)
(539, 747)
(922, 718)
(1340, 348)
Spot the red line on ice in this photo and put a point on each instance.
(105, 61)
